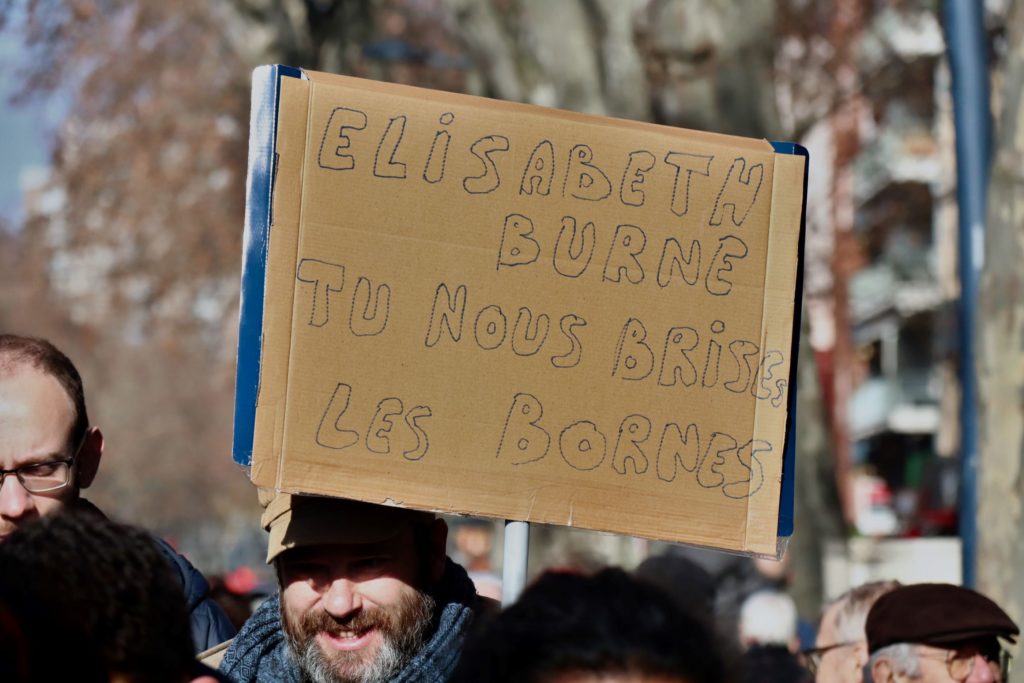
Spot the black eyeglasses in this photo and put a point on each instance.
(811, 659)
(43, 477)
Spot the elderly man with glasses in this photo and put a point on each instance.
(841, 650)
(49, 453)
(938, 633)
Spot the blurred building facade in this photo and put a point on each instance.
(902, 413)
(883, 316)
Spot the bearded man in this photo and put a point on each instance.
(366, 594)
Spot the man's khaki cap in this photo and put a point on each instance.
(296, 521)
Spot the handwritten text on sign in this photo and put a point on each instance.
(505, 310)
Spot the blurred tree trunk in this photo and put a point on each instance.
(817, 511)
(1000, 335)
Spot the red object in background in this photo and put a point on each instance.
(880, 494)
(241, 581)
(934, 522)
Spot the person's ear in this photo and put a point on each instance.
(89, 457)
(438, 548)
(881, 672)
(860, 655)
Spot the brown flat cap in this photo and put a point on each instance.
(296, 521)
(935, 614)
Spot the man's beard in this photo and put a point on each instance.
(402, 628)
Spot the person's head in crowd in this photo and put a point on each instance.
(607, 628)
(48, 451)
(685, 581)
(87, 599)
(768, 634)
(841, 650)
(366, 592)
(937, 633)
(473, 540)
(768, 618)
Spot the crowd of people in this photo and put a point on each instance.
(367, 593)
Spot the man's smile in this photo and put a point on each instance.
(347, 641)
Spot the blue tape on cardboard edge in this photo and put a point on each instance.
(786, 497)
(259, 186)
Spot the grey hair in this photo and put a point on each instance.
(768, 617)
(902, 658)
(854, 607)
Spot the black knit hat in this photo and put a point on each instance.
(935, 614)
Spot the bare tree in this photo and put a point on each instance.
(141, 249)
(134, 241)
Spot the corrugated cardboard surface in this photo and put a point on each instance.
(437, 335)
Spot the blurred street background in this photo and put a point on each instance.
(122, 168)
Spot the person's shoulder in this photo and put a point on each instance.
(193, 582)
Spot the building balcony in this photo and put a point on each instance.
(905, 405)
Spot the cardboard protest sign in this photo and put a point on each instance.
(479, 307)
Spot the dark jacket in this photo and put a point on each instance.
(260, 652)
(210, 626)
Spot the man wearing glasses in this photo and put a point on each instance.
(841, 650)
(938, 633)
(49, 453)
